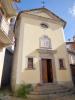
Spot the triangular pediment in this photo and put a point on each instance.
(40, 13)
(43, 12)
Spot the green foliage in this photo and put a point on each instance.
(23, 90)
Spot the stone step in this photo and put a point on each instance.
(48, 96)
(54, 88)
(50, 91)
(51, 86)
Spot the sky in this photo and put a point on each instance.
(65, 9)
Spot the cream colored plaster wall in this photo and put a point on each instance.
(17, 64)
(29, 34)
(31, 76)
(62, 75)
(32, 33)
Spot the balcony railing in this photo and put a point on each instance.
(4, 25)
(6, 30)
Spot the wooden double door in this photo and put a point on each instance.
(47, 73)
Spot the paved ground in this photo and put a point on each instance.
(52, 98)
(64, 98)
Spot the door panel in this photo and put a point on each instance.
(49, 70)
(47, 73)
(44, 71)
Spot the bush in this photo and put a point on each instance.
(23, 90)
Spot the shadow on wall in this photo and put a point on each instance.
(59, 53)
(7, 68)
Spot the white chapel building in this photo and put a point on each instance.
(40, 51)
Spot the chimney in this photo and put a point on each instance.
(73, 44)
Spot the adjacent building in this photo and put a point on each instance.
(7, 18)
(71, 52)
(40, 54)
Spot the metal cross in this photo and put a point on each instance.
(43, 3)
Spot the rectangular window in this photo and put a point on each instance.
(61, 63)
(30, 63)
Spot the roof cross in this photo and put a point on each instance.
(43, 3)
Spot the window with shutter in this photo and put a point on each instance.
(61, 64)
(30, 63)
(45, 42)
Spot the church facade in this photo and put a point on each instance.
(40, 51)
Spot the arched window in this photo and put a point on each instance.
(45, 42)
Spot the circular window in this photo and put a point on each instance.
(43, 25)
